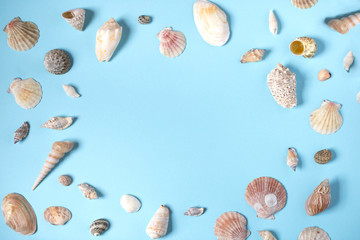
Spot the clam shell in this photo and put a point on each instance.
(231, 226)
(273, 24)
(99, 226)
(75, 17)
(65, 180)
(303, 46)
(292, 159)
(253, 55)
(195, 211)
(70, 91)
(130, 203)
(326, 119)
(344, 24)
(107, 39)
(58, 123)
(21, 35)
(313, 233)
(211, 22)
(21, 132)
(57, 215)
(323, 156)
(324, 75)
(319, 200)
(18, 214)
(266, 235)
(172, 43)
(57, 62)
(27, 92)
(158, 224)
(266, 195)
(348, 60)
(143, 19)
(88, 191)
(303, 4)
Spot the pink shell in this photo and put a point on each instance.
(172, 43)
(231, 226)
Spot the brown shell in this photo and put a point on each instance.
(88, 191)
(323, 156)
(253, 55)
(21, 132)
(231, 226)
(57, 215)
(319, 200)
(65, 180)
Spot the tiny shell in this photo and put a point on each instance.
(303, 46)
(319, 200)
(65, 180)
(266, 235)
(348, 60)
(70, 91)
(323, 156)
(292, 159)
(21, 132)
(107, 39)
(158, 224)
(130, 203)
(57, 215)
(75, 17)
(88, 191)
(57, 62)
(326, 119)
(324, 75)
(58, 123)
(344, 24)
(231, 226)
(143, 19)
(358, 97)
(253, 55)
(313, 233)
(194, 211)
(273, 24)
(172, 43)
(27, 92)
(303, 4)
(99, 226)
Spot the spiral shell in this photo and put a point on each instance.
(57, 62)
(27, 92)
(21, 132)
(143, 19)
(326, 119)
(65, 180)
(172, 43)
(266, 235)
(107, 39)
(303, 46)
(303, 4)
(58, 123)
(70, 91)
(231, 226)
(57, 215)
(253, 55)
(319, 200)
(75, 17)
(88, 191)
(292, 159)
(99, 226)
(344, 24)
(130, 203)
(313, 233)
(158, 224)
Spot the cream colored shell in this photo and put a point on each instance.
(172, 43)
(27, 92)
(344, 24)
(266, 235)
(107, 39)
(88, 191)
(75, 17)
(58, 123)
(309, 46)
(303, 4)
(273, 24)
(130, 203)
(253, 55)
(57, 215)
(313, 233)
(326, 119)
(158, 225)
(348, 60)
(70, 91)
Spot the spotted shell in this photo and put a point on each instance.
(65, 180)
(58, 123)
(319, 200)
(57, 215)
(231, 226)
(57, 62)
(21, 132)
(99, 226)
(313, 233)
(143, 19)
(27, 92)
(323, 156)
(303, 4)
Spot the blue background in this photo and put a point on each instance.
(190, 131)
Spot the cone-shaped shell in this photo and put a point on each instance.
(266, 235)
(348, 60)
(158, 224)
(130, 203)
(292, 159)
(323, 156)
(99, 226)
(231, 226)
(273, 24)
(70, 91)
(88, 191)
(18, 214)
(326, 119)
(303, 4)
(58, 123)
(57, 62)
(319, 200)
(57, 152)
(211, 22)
(253, 55)
(313, 233)
(57, 215)
(21, 132)
(282, 85)
(172, 43)
(344, 24)
(107, 39)
(27, 92)
(266, 195)
(303, 46)
(21, 35)
(195, 211)
(75, 17)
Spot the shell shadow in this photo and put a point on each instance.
(124, 37)
(320, 46)
(300, 82)
(335, 193)
(328, 19)
(99, 192)
(89, 15)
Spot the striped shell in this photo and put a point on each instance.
(319, 200)
(253, 55)
(70, 91)
(231, 226)
(21, 132)
(158, 224)
(27, 92)
(57, 215)
(172, 43)
(326, 119)
(266, 235)
(99, 226)
(57, 62)
(143, 19)
(88, 191)
(292, 159)
(323, 156)
(344, 24)
(107, 39)
(58, 123)
(65, 180)
(75, 17)
(303, 4)
(313, 233)
(303, 46)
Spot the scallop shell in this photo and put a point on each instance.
(195, 211)
(253, 55)
(344, 24)
(292, 159)
(18, 214)
(130, 203)
(266, 235)
(172, 43)
(231, 226)
(143, 19)
(303, 46)
(319, 200)
(326, 119)
(324, 75)
(70, 91)
(158, 224)
(211, 22)
(313, 233)
(88, 191)
(323, 156)
(57, 215)
(21, 132)
(273, 24)
(58, 123)
(21, 35)
(27, 92)
(266, 195)
(99, 226)
(65, 180)
(282, 85)
(57, 62)
(303, 4)
(348, 60)
(75, 17)
(107, 39)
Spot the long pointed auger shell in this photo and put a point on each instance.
(211, 22)
(172, 43)
(57, 215)
(313, 233)
(253, 55)
(18, 214)
(27, 92)
(266, 235)
(348, 60)
(21, 132)
(326, 119)
(75, 17)
(70, 91)
(21, 35)
(303, 4)
(107, 39)
(344, 24)
(57, 152)
(58, 123)
(319, 200)
(273, 24)
(292, 159)
(158, 224)
(88, 191)
(231, 226)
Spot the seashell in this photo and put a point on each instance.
(57, 215)
(313, 233)
(65, 180)
(326, 119)
(107, 39)
(172, 43)
(57, 62)
(323, 156)
(344, 24)
(319, 200)
(266, 235)
(358, 97)
(195, 211)
(70, 91)
(18, 214)
(211, 22)
(303, 4)
(348, 60)
(75, 17)
(253, 55)
(21, 35)
(273, 24)
(231, 226)
(21, 132)
(292, 159)
(99, 226)
(158, 224)
(27, 92)
(303, 46)
(282, 85)
(266, 195)
(130, 203)
(57, 152)
(143, 19)
(58, 123)
(88, 191)
(324, 75)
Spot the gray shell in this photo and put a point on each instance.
(99, 226)
(57, 62)
(65, 180)
(143, 19)
(21, 132)
(194, 211)
(323, 156)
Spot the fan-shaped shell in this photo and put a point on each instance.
(70, 91)
(158, 224)
(65, 180)
(211, 22)
(195, 211)
(344, 24)
(88, 191)
(75, 17)
(58, 123)
(27, 92)
(130, 203)
(313, 233)
(21, 132)
(231, 226)
(99, 226)
(292, 159)
(303, 46)
(57, 62)
(303, 4)
(319, 200)
(266, 235)
(57, 215)
(326, 119)
(21, 35)
(107, 39)
(266, 195)
(253, 55)
(18, 214)
(172, 43)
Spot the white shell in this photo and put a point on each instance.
(266, 235)
(348, 60)
(130, 203)
(326, 119)
(107, 39)
(273, 24)
(313, 233)
(158, 225)
(172, 43)
(75, 17)
(303, 4)
(27, 92)
(70, 91)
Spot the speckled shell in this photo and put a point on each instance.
(326, 119)
(273, 24)
(57, 62)
(303, 4)
(309, 44)
(143, 19)
(27, 92)
(58, 123)
(21, 35)
(323, 156)
(18, 214)
(266, 195)
(88, 191)
(158, 224)
(65, 180)
(348, 61)
(195, 211)
(57, 215)
(319, 200)
(70, 91)
(231, 226)
(99, 226)
(292, 159)
(253, 55)
(75, 17)
(344, 24)
(266, 235)
(130, 203)
(172, 43)
(107, 39)
(21, 132)
(313, 233)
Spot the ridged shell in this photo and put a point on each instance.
(211, 22)
(231, 226)
(324, 75)
(172, 43)
(303, 4)
(266, 235)
(344, 24)
(195, 211)
(75, 17)
(292, 159)
(21, 132)
(88, 191)
(323, 156)
(27, 92)
(21, 35)
(143, 19)
(266, 195)
(58, 123)
(282, 85)
(273, 24)
(158, 224)
(107, 39)
(348, 60)
(18, 214)
(313, 233)
(130, 203)
(57, 62)
(326, 119)
(99, 226)
(70, 91)
(319, 200)
(65, 180)
(57, 215)
(253, 55)
(303, 46)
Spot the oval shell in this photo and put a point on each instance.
(253, 55)
(319, 200)
(158, 225)
(313, 233)
(57, 62)
(21, 132)
(99, 226)
(303, 4)
(303, 46)
(195, 211)
(58, 123)
(323, 156)
(231, 226)
(266, 235)
(348, 61)
(143, 19)
(27, 92)
(172, 43)
(326, 119)
(130, 203)
(88, 191)
(107, 39)
(70, 91)
(344, 24)
(324, 75)
(57, 215)
(75, 17)
(65, 180)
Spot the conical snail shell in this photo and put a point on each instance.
(348, 60)
(326, 119)
(292, 159)
(232, 226)
(58, 123)
(266, 235)
(57, 215)
(344, 24)
(158, 224)
(27, 92)
(75, 17)
(99, 226)
(313, 233)
(172, 43)
(273, 24)
(107, 39)
(21, 132)
(319, 200)
(88, 191)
